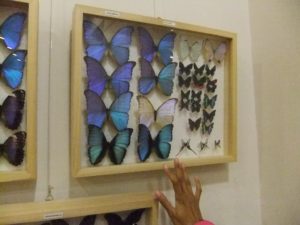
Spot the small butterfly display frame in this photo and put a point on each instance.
(147, 87)
(68, 210)
(18, 53)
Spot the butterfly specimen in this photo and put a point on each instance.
(209, 102)
(11, 110)
(98, 145)
(211, 85)
(148, 48)
(195, 101)
(98, 78)
(185, 100)
(206, 129)
(185, 145)
(131, 219)
(203, 145)
(208, 117)
(87, 220)
(164, 80)
(118, 111)
(199, 78)
(186, 50)
(161, 143)
(211, 54)
(217, 144)
(185, 69)
(184, 82)
(210, 72)
(13, 148)
(12, 68)
(97, 44)
(163, 115)
(194, 124)
(11, 30)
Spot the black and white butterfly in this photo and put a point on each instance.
(196, 101)
(195, 124)
(203, 145)
(199, 77)
(185, 100)
(210, 72)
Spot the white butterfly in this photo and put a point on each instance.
(186, 50)
(210, 54)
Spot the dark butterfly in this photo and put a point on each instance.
(203, 145)
(211, 85)
(185, 145)
(187, 70)
(11, 30)
(199, 78)
(87, 220)
(217, 144)
(11, 110)
(161, 143)
(12, 68)
(210, 72)
(184, 82)
(208, 116)
(98, 78)
(148, 48)
(13, 148)
(163, 115)
(98, 145)
(118, 111)
(209, 102)
(164, 80)
(185, 100)
(207, 128)
(97, 44)
(131, 219)
(194, 125)
(196, 101)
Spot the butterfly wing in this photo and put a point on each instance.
(144, 143)
(95, 41)
(147, 80)
(120, 44)
(165, 48)
(208, 52)
(211, 85)
(113, 219)
(210, 72)
(11, 30)
(165, 113)
(119, 110)
(12, 68)
(185, 100)
(194, 125)
(96, 109)
(146, 111)
(162, 145)
(220, 52)
(195, 51)
(184, 49)
(121, 78)
(97, 144)
(12, 109)
(88, 220)
(147, 45)
(165, 78)
(208, 116)
(134, 217)
(97, 76)
(118, 146)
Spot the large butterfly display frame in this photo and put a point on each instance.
(78, 85)
(43, 212)
(27, 170)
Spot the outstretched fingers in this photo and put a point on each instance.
(198, 189)
(165, 203)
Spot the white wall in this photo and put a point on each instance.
(230, 192)
(276, 58)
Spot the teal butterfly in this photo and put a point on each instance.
(209, 102)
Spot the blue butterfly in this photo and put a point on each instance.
(148, 48)
(98, 145)
(96, 43)
(160, 143)
(11, 30)
(97, 76)
(148, 79)
(118, 111)
(12, 68)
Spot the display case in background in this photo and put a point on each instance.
(18, 49)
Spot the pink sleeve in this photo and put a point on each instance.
(204, 222)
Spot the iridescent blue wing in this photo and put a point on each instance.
(118, 146)
(113, 219)
(11, 30)
(165, 79)
(165, 48)
(96, 109)
(119, 111)
(95, 40)
(88, 220)
(121, 77)
(144, 143)
(12, 68)
(97, 144)
(147, 80)
(162, 141)
(97, 76)
(120, 44)
(147, 46)
(134, 217)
